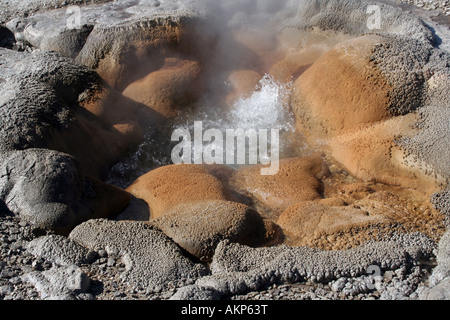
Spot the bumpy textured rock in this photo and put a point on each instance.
(35, 90)
(342, 90)
(298, 179)
(59, 283)
(28, 7)
(351, 17)
(49, 32)
(310, 219)
(57, 29)
(151, 259)
(49, 189)
(198, 227)
(379, 77)
(430, 144)
(441, 201)
(176, 84)
(124, 53)
(194, 292)
(438, 284)
(385, 77)
(404, 63)
(60, 250)
(169, 186)
(371, 153)
(440, 292)
(50, 102)
(237, 269)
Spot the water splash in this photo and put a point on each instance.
(266, 108)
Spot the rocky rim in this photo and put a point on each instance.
(57, 242)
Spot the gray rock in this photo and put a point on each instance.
(441, 5)
(236, 268)
(6, 289)
(27, 7)
(441, 201)
(430, 147)
(438, 284)
(194, 292)
(106, 29)
(351, 17)
(36, 91)
(151, 259)
(402, 61)
(48, 189)
(50, 33)
(59, 283)
(114, 50)
(439, 292)
(443, 255)
(45, 103)
(60, 250)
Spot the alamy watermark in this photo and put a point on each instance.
(73, 17)
(375, 278)
(374, 19)
(232, 147)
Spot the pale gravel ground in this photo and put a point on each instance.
(17, 8)
(441, 5)
(104, 272)
(13, 8)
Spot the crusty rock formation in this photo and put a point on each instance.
(313, 220)
(168, 89)
(362, 95)
(238, 269)
(342, 90)
(49, 101)
(198, 227)
(371, 153)
(49, 189)
(376, 104)
(150, 258)
(170, 186)
(298, 179)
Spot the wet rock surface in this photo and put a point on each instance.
(298, 179)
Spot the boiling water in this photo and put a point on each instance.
(266, 108)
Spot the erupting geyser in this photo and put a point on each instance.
(223, 146)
